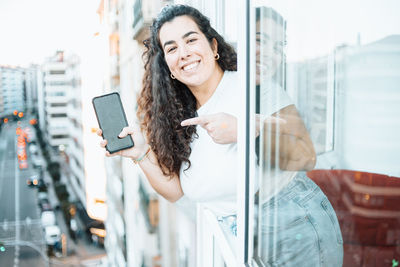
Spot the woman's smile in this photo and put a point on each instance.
(191, 66)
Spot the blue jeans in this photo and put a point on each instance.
(299, 228)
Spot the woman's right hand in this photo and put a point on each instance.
(134, 152)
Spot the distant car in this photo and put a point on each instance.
(33, 180)
(44, 205)
(33, 149)
(48, 218)
(37, 162)
(52, 234)
(23, 164)
(42, 195)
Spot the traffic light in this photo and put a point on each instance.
(2, 247)
(15, 112)
(20, 114)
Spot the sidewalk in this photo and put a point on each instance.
(81, 249)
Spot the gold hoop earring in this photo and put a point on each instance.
(216, 56)
(172, 76)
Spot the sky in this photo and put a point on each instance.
(316, 27)
(32, 30)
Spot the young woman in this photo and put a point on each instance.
(188, 114)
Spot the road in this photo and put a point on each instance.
(20, 228)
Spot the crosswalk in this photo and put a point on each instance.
(30, 231)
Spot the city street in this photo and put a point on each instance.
(20, 228)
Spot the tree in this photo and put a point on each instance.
(54, 170)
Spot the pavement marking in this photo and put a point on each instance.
(3, 162)
(17, 228)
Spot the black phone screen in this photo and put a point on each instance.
(111, 118)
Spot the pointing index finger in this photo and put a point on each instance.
(195, 121)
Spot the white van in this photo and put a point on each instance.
(52, 234)
(48, 218)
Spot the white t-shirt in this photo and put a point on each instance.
(211, 179)
(272, 99)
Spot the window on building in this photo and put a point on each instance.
(57, 72)
(55, 93)
(59, 136)
(58, 115)
(58, 105)
(55, 83)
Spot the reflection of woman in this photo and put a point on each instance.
(298, 226)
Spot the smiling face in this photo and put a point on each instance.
(188, 54)
(270, 43)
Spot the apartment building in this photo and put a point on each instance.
(12, 90)
(63, 111)
(56, 89)
(367, 99)
(74, 148)
(31, 88)
(314, 91)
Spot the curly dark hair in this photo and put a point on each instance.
(164, 102)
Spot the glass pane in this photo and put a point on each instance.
(327, 105)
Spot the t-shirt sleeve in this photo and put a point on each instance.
(273, 98)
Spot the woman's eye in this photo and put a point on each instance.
(171, 49)
(192, 40)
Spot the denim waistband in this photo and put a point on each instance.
(300, 189)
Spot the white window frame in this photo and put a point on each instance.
(213, 249)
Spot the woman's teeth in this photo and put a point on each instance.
(191, 66)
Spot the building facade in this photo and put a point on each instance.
(12, 90)
(75, 146)
(56, 89)
(31, 88)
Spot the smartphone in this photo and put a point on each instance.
(111, 118)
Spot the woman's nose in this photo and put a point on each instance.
(184, 52)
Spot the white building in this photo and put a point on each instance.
(56, 89)
(313, 82)
(367, 106)
(336, 90)
(131, 239)
(74, 148)
(31, 88)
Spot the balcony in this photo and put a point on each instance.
(366, 205)
(143, 14)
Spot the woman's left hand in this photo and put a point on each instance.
(221, 127)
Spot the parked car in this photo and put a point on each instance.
(45, 205)
(52, 235)
(36, 181)
(33, 149)
(37, 162)
(42, 195)
(48, 218)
